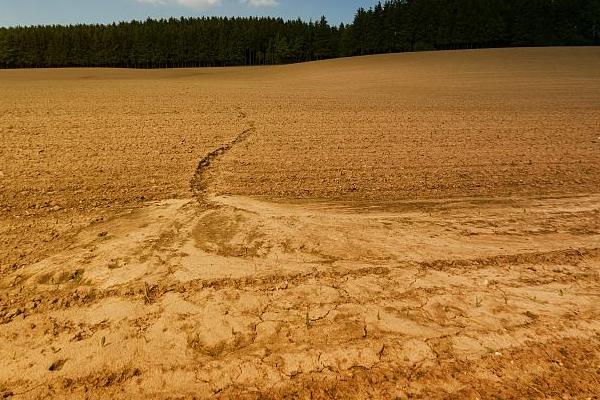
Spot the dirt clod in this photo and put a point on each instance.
(57, 365)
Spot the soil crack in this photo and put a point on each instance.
(201, 180)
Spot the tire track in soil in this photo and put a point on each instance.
(201, 180)
(31, 302)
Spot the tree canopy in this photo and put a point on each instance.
(393, 26)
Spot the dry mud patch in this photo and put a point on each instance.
(386, 302)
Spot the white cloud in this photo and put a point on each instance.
(202, 4)
(260, 3)
(195, 4)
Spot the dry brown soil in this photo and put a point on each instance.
(401, 226)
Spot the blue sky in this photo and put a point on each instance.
(34, 12)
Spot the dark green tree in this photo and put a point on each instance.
(392, 26)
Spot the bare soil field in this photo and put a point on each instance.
(401, 226)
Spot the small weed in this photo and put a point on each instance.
(478, 302)
(149, 293)
(563, 351)
(77, 275)
(64, 277)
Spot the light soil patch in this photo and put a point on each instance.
(324, 292)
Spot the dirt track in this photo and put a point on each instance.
(431, 230)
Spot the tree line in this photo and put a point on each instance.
(393, 26)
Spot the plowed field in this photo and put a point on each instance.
(402, 226)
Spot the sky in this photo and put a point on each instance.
(43, 12)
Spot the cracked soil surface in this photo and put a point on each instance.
(391, 227)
